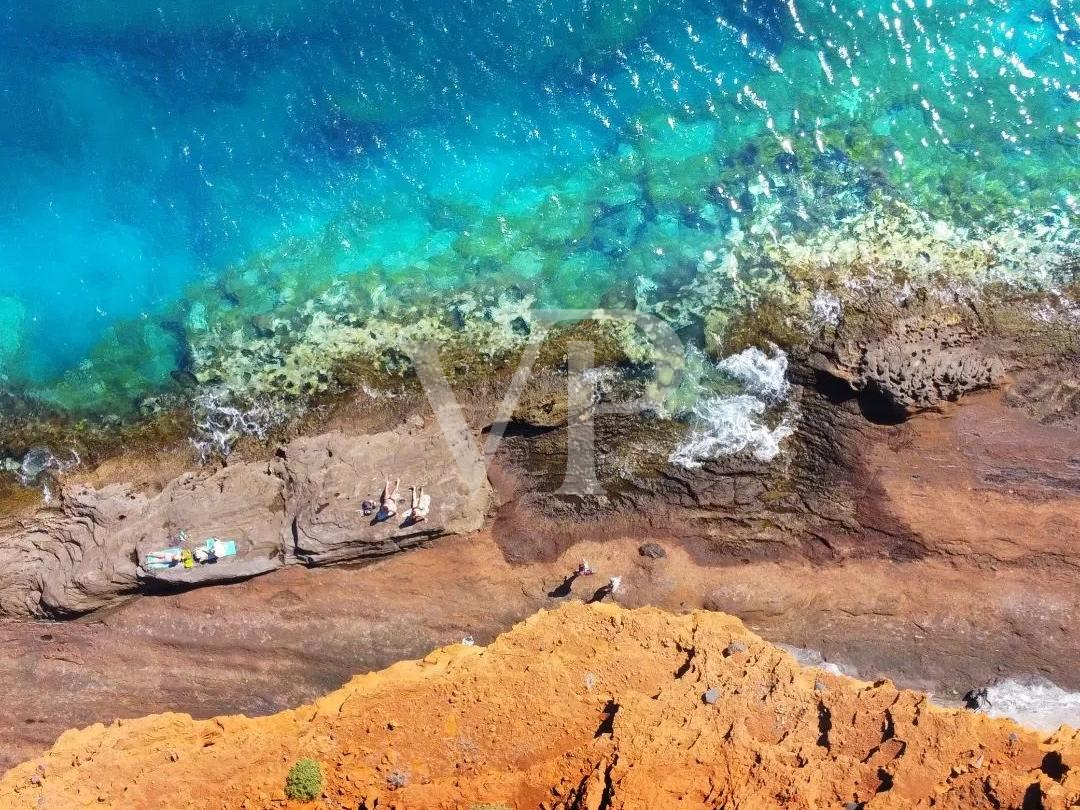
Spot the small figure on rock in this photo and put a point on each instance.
(978, 699)
(387, 501)
(565, 587)
(604, 592)
(420, 505)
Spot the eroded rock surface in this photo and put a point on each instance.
(581, 708)
(912, 358)
(88, 551)
(864, 385)
(329, 477)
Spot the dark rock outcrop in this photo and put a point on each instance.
(905, 359)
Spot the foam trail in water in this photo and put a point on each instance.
(729, 424)
(763, 376)
(812, 658)
(1033, 702)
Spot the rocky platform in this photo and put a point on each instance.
(586, 707)
(922, 525)
(302, 506)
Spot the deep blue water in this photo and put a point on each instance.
(557, 145)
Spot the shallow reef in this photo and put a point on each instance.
(815, 157)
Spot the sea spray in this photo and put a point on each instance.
(220, 421)
(753, 421)
(1034, 702)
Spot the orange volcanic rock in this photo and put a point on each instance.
(585, 707)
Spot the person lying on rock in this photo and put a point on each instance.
(388, 501)
(206, 555)
(419, 508)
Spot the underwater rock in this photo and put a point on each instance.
(679, 158)
(12, 315)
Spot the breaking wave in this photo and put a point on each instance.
(763, 376)
(753, 421)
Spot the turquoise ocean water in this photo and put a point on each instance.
(175, 169)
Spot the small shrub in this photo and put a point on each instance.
(304, 781)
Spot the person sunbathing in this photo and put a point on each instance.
(419, 507)
(388, 501)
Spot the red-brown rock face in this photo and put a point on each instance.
(586, 707)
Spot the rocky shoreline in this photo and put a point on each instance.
(855, 389)
(923, 525)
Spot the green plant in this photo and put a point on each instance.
(304, 781)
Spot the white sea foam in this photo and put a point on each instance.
(1033, 702)
(826, 309)
(219, 423)
(812, 658)
(763, 376)
(724, 425)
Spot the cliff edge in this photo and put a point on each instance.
(584, 707)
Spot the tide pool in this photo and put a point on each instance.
(189, 185)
